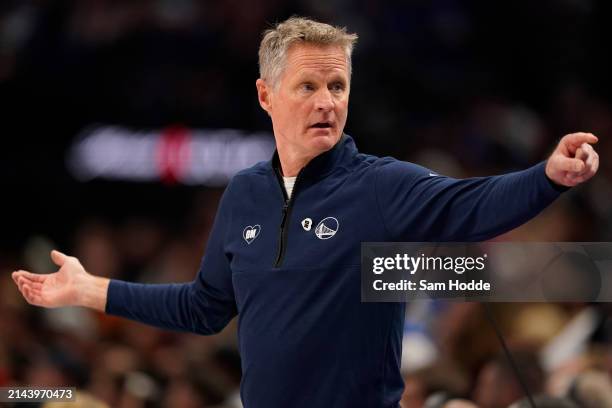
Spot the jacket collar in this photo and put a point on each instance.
(338, 156)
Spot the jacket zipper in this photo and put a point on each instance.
(286, 214)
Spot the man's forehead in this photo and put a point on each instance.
(306, 57)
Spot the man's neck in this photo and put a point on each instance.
(291, 162)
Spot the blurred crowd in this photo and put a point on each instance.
(121, 363)
(466, 88)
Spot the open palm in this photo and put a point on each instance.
(56, 289)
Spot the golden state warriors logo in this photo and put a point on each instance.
(327, 228)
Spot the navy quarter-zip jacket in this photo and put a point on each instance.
(306, 340)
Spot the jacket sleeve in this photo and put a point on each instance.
(203, 306)
(419, 205)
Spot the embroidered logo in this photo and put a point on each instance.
(250, 233)
(307, 224)
(327, 228)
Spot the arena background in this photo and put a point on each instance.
(465, 87)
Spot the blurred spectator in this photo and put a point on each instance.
(592, 389)
(497, 386)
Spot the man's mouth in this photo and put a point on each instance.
(321, 125)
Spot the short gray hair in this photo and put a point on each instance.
(277, 41)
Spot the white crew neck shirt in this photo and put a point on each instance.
(289, 183)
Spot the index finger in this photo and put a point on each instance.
(577, 139)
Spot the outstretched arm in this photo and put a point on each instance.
(71, 285)
(419, 205)
(203, 306)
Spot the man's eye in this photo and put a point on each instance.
(307, 87)
(337, 87)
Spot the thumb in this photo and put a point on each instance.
(58, 258)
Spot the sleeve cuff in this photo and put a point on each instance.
(113, 296)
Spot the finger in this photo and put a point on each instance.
(587, 159)
(581, 178)
(590, 150)
(568, 164)
(581, 154)
(20, 282)
(36, 286)
(591, 161)
(32, 295)
(587, 148)
(25, 291)
(24, 282)
(36, 277)
(595, 165)
(569, 181)
(577, 180)
(574, 140)
(58, 258)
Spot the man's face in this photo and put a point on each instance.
(310, 103)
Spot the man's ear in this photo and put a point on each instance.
(264, 95)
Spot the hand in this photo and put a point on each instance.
(574, 161)
(71, 285)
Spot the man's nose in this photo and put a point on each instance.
(324, 101)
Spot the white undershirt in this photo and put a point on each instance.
(289, 183)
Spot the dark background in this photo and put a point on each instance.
(465, 78)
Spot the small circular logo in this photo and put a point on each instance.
(327, 228)
(307, 224)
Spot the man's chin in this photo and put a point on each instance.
(323, 139)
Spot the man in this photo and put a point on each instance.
(284, 250)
